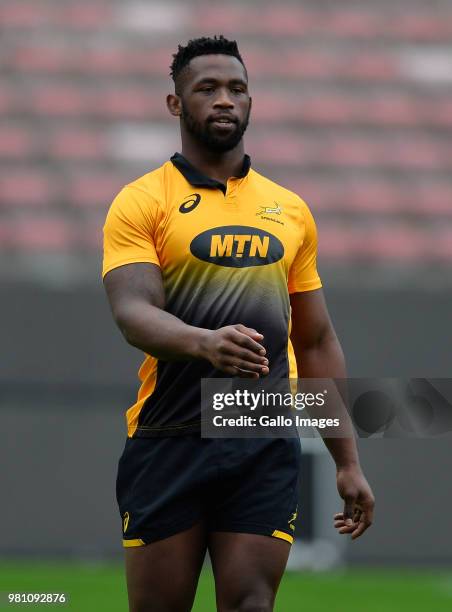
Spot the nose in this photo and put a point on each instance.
(223, 100)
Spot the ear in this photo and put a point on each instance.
(174, 105)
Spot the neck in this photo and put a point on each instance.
(218, 166)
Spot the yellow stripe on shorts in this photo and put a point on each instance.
(282, 536)
(132, 543)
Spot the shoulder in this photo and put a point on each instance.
(276, 191)
(152, 183)
(144, 195)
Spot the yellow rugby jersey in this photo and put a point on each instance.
(228, 254)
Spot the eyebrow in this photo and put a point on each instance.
(205, 80)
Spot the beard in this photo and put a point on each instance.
(206, 136)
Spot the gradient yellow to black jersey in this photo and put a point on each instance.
(228, 254)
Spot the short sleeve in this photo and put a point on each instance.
(129, 230)
(303, 275)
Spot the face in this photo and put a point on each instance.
(214, 101)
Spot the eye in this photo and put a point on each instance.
(238, 90)
(207, 89)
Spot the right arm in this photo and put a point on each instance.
(136, 296)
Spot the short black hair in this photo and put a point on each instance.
(202, 46)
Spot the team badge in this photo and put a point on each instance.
(269, 210)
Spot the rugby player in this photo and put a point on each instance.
(208, 265)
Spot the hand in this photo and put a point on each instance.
(358, 502)
(236, 350)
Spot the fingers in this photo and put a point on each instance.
(246, 373)
(366, 516)
(241, 373)
(368, 507)
(349, 506)
(242, 352)
(343, 528)
(248, 338)
(245, 361)
(249, 331)
(239, 367)
(238, 352)
(362, 520)
(363, 524)
(242, 366)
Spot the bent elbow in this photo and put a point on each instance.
(125, 324)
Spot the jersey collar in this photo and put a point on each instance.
(195, 177)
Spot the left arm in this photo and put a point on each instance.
(319, 355)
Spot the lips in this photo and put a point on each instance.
(223, 119)
(223, 123)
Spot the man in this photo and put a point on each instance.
(200, 258)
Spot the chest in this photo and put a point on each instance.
(237, 229)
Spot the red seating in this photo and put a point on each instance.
(388, 244)
(352, 110)
(39, 234)
(31, 15)
(360, 22)
(383, 151)
(91, 190)
(27, 188)
(78, 143)
(323, 108)
(293, 63)
(15, 141)
(367, 195)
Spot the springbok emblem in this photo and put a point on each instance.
(269, 210)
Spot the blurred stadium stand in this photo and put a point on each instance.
(352, 109)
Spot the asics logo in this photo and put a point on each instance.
(190, 203)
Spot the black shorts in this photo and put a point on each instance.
(167, 485)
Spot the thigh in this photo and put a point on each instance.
(258, 490)
(248, 569)
(162, 576)
(160, 486)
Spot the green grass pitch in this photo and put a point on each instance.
(95, 588)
